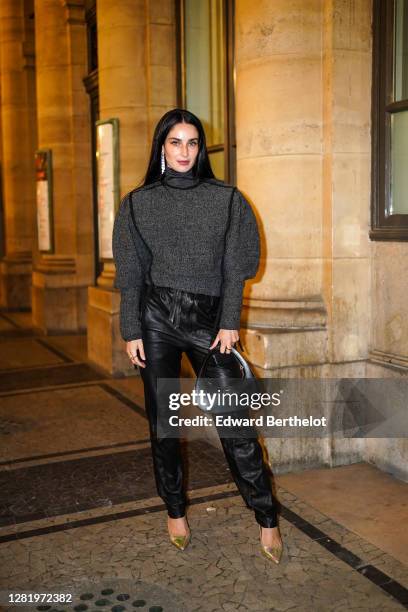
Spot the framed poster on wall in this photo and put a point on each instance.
(108, 192)
(45, 225)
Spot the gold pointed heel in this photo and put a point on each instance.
(273, 553)
(180, 541)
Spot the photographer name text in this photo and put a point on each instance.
(220, 420)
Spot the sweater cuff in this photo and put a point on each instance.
(129, 314)
(232, 304)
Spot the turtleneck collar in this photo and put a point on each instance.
(179, 180)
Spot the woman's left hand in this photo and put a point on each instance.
(227, 337)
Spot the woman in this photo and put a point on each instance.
(169, 240)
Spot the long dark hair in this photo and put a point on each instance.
(202, 166)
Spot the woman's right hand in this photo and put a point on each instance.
(135, 351)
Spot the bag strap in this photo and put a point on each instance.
(245, 368)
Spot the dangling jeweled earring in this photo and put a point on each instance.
(163, 162)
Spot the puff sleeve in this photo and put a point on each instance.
(129, 272)
(241, 259)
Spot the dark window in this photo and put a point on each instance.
(390, 121)
(205, 76)
(91, 83)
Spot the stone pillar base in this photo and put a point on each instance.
(58, 304)
(106, 348)
(271, 348)
(291, 340)
(59, 309)
(282, 334)
(15, 282)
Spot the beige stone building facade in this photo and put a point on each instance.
(290, 95)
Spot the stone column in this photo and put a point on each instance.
(18, 145)
(347, 55)
(279, 167)
(302, 104)
(136, 59)
(347, 46)
(296, 138)
(60, 279)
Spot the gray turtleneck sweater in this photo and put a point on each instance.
(180, 222)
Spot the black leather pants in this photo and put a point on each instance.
(173, 322)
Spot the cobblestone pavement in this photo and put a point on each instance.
(222, 568)
(79, 512)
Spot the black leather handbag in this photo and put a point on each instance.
(245, 384)
(231, 394)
